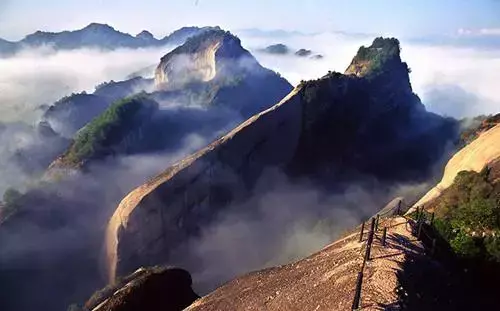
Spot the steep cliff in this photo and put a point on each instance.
(218, 58)
(333, 129)
(214, 55)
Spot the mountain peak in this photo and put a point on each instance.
(202, 58)
(145, 35)
(370, 60)
(98, 27)
(98, 35)
(207, 38)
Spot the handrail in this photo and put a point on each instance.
(397, 211)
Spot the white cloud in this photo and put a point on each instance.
(435, 68)
(474, 72)
(42, 76)
(479, 32)
(337, 49)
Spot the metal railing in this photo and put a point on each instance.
(374, 227)
(419, 224)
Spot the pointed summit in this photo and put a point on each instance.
(145, 35)
(371, 60)
(98, 27)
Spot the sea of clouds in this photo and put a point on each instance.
(458, 81)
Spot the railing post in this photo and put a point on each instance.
(370, 240)
(432, 219)
(418, 213)
(357, 294)
(372, 230)
(376, 224)
(398, 210)
(384, 236)
(362, 231)
(419, 232)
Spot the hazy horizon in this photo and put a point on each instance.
(404, 19)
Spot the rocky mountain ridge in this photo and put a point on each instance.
(332, 130)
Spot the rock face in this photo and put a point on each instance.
(474, 157)
(214, 70)
(331, 130)
(212, 171)
(213, 55)
(156, 288)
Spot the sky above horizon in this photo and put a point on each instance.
(387, 17)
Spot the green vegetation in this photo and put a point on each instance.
(468, 216)
(381, 50)
(107, 129)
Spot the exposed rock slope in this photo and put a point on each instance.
(333, 129)
(473, 157)
(325, 280)
(216, 180)
(214, 70)
(214, 55)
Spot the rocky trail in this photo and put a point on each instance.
(326, 280)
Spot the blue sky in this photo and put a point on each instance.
(389, 17)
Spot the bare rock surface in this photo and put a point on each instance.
(325, 280)
(473, 157)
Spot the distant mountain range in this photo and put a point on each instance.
(97, 35)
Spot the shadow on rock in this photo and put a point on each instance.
(156, 288)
